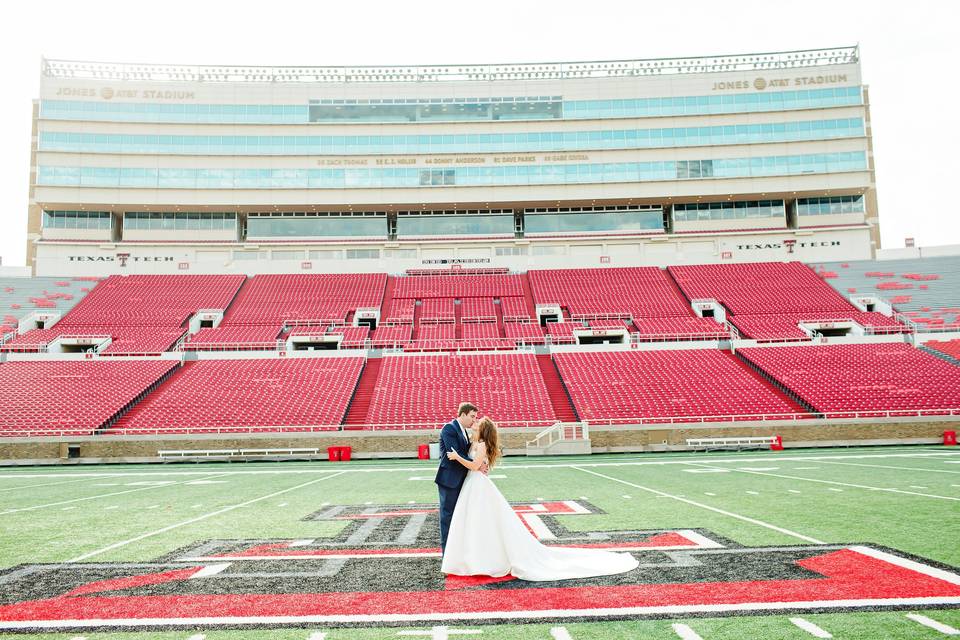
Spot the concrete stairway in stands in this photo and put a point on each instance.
(562, 406)
(774, 387)
(356, 417)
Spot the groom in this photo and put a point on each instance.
(451, 474)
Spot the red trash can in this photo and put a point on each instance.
(423, 451)
(950, 438)
(333, 453)
(345, 453)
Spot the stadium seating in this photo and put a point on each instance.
(634, 292)
(266, 303)
(263, 394)
(391, 336)
(562, 332)
(142, 314)
(437, 310)
(621, 386)
(458, 286)
(353, 337)
(400, 312)
(477, 330)
(22, 296)
(948, 347)
(275, 299)
(525, 332)
(239, 337)
(771, 327)
(515, 309)
(478, 310)
(444, 331)
(760, 288)
(767, 300)
(861, 377)
(426, 389)
(44, 397)
(679, 328)
(926, 290)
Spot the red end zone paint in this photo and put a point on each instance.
(844, 575)
(670, 540)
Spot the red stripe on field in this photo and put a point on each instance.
(131, 582)
(671, 539)
(384, 514)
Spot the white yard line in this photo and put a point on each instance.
(46, 484)
(729, 514)
(211, 514)
(96, 497)
(884, 466)
(647, 460)
(945, 629)
(843, 484)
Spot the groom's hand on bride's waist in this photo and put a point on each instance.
(484, 468)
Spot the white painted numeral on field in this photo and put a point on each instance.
(811, 628)
(685, 632)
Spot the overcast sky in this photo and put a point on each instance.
(907, 52)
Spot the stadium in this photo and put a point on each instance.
(662, 278)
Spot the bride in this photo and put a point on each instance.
(488, 538)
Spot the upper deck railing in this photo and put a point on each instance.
(121, 71)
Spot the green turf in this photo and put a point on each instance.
(910, 503)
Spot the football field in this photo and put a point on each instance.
(844, 543)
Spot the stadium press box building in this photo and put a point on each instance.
(194, 169)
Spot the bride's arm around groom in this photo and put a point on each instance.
(478, 461)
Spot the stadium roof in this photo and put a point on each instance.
(120, 71)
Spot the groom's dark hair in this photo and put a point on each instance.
(464, 408)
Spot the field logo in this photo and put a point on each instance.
(383, 568)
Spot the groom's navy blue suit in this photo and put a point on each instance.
(450, 475)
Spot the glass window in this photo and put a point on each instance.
(363, 254)
(604, 221)
(319, 226)
(455, 225)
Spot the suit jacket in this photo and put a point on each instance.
(451, 473)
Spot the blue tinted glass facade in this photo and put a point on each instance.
(608, 222)
(458, 143)
(461, 176)
(830, 205)
(342, 227)
(466, 225)
(740, 210)
(475, 111)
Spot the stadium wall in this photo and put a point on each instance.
(393, 444)
(99, 259)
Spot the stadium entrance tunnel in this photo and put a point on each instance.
(315, 343)
(618, 338)
(832, 329)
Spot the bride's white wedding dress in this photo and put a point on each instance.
(487, 537)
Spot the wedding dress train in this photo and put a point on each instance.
(488, 538)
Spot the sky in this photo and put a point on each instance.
(907, 51)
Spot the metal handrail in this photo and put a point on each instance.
(798, 418)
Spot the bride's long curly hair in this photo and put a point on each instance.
(487, 433)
